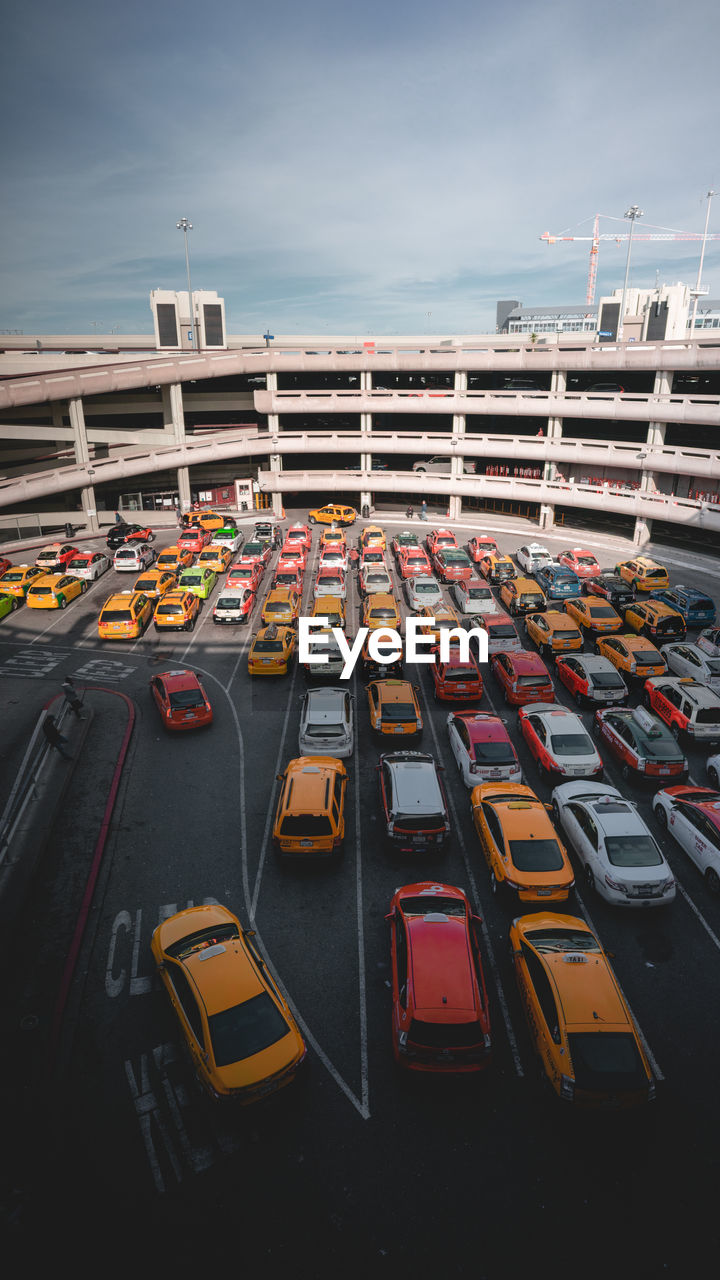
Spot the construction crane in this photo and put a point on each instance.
(664, 233)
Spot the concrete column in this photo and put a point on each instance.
(174, 427)
(642, 532)
(547, 516)
(558, 385)
(275, 458)
(82, 458)
(87, 498)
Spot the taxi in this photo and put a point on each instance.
(333, 513)
(205, 519)
(174, 559)
(333, 538)
(335, 558)
(523, 677)
(17, 580)
(559, 743)
(234, 604)
(198, 580)
(692, 816)
(271, 651)
(481, 546)
(8, 604)
(206, 954)
(177, 610)
(181, 700)
(655, 619)
(591, 679)
(520, 843)
(229, 537)
(452, 565)
(557, 582)
(194, 539)
(697, 608)
(245, 573)
(643, 574)
(394, 708)
(293, 555)
(88, 564)
(583, 1031)
(582, 562)
(4, 564)
(286, 577)
(380, 610)
(403, 540)
(56, 556)
(482, 748)
(501, 634)
(521, 595)
(54, 591)
(456, 680)
(325, 661)
(257, 552)
(371, 556)
(379, 668)
(125, 615)
(497, 568)
(217, 558)
(298, 534)
(440, 617)
(594, 615)
(685, 705)
(708, 640)
(372, 536)
(641, 742)
(439, 540)
(553, 632)
(155, 582)
(310, 813)
(282, 607)
(332, 608)
(635, 656)
(330, 582)
(413, 562)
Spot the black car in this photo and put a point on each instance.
(610, 588)
(120, 533)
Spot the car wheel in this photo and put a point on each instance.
(579, 699)
(712, 880)
(589, 880)
(712, 771)
(188, 625)
(14, 602)
(312, 520)
(151, 537)
(675, 730)
(62, 602)
(661, 816)
(83, 588)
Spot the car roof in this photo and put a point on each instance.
(483, 728)
(415, 782)
(591, 662)
(326, 702)
(588, 992)
(442, 968)
(179, 678)
(549, 711)
(390, 691)
(697, 692)
(525, 662)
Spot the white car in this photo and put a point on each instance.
(709, 641)
(88, 565)
(474, 596)
(232, 605)
(621, 859)
(131, 558)
(334, 584)
(334, 558)
(375, 578)
(688, 660)
(327, 726)
(421, 593)
(532, 556)
(233, 539)
(482, 748)
(559, 741)
(713, 770)
(692, 816)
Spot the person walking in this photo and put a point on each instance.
(71, 697)
(118, 518)
(179, 517)
(55, 737)
(423, 510)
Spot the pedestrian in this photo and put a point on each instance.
(180, 521)
(55, 737)
(423, 510)
(71, 697)
(541, 432)
(118, 518)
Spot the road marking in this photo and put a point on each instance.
(699, 914)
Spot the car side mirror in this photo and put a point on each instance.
(548, 807)
(279, 777)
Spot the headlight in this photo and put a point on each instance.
(567, 1088)
(402, 1041)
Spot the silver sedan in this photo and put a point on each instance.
(421, 593)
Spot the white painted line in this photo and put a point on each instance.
(713, 936)
(362, 978)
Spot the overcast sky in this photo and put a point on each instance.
(374, 167)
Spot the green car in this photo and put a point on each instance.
(7, 604)
(199, 581)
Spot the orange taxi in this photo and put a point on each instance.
(380, 610)
(17, 580)
(394, 708)
(181, 700)
(174, 559)
(215, 557)
(520, 843)
(282, 607)
(635, 656)
(177, 610)
(155, 582)
(125, 615)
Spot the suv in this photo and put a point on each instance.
(413, 802)
(441, 466)
(686, 706)
(310, 814)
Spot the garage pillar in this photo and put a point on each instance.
(642, 532)
(547, 516)
(82, 458)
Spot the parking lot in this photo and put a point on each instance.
(357, 1165)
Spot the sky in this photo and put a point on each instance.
(366, 168)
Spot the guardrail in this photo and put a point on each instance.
(25, 786)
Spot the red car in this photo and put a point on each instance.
(372, 555)
(482, 546)
(413, 562)
(181, 700)
(523, 676)
(330, 582)
(287, 576)
(245, 573)
(194, 539)
(582, 562)
(257, 551)
(292, 556)
(4, 564)
(440, 1014)
(439, 538)
(591, 678)
(56, 556)
(299, 533)
(452, 565)
(455, 680)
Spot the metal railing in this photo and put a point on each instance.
(25, 786)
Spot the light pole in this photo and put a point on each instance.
(185, 226)
(632, 213)
(710, 195)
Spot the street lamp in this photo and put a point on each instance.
(632, 213)
(185, 226)
(696, 290)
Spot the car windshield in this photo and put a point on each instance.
(606, 1061)
(455, 557)
(268, 646)
(529, 597)
(286, 579)
(145, 584)
(125, 553)
(167, 559)
(493, 753)
(306, 824)
(433, 904)
(703, 603)
(447, 1035)
(533, 682)
(41, 591)
(116, 615)
(277, 606)
(713, 666)
(659, 745)
(228, 602)
(665, 625)
(504, 632)
(399, 713)
(183, 699)
(536, 855)
(656, 573)
(428, 588)
(78, 564)
(632, 851)
(384, 612)
(562, 940)
(602, 611)
(326, 730)
(460, 674)
(169, 608)
(12, 577)
(478, 593)
(587, 560)
(191, 579)
(246, 1029)
(606, 680)
(571, 744)
(708, 715)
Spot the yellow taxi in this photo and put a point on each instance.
(206, 519)
(333, 513)
(174, 559)
(17, 580)
(177, 610)
(332, 608)
(394, 708)
(520, 843)
(125, 615)
(553, 632)
(380, 610)
(643, 574)
(215, 557)
(522, 595)
(373, 536)
(635, 656)
(310, 814)
(497, 568)
(54, 591)
(242, 1038)
(334, 538)
(271, 651)
(656, 620)
(440, 617)
(282, 607)
(583, 1031)
(594, 615)
(155, 582)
